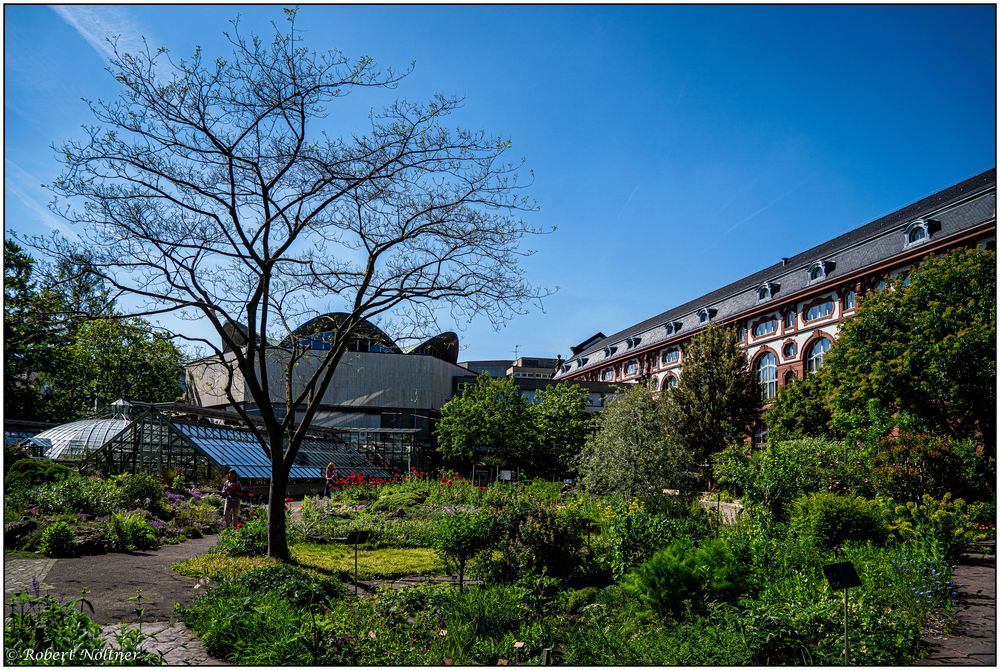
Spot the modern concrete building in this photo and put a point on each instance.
(375, 388)
(788, 314)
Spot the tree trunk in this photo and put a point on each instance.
(277, 536)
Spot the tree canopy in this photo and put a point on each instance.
(800, 410)
(489, 422)
(921, 355)
(561, 424)
(717, 400)
(633, 452)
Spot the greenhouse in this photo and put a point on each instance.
(144, 438)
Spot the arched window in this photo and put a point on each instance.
(608, 376)
(789, 350)
(669, 382)
(814, 357)
(632, 368)
(849, 300)
(767, 376)
(790, 320)
(790, 378)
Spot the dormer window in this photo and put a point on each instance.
(673, 326)
(632, 342)
(609, 351)
(580, 362)
(766, 291)
(819, 270)
(917, 232)
(705, 314)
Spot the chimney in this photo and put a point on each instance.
(784, 260)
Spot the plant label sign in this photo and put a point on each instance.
(842, 575)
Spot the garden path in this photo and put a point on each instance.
(974, 639)
(111, 579)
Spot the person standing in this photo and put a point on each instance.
(331, 480)
(232, 491)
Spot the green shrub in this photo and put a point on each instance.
(28, 473)
(686, 576)
(291, 583)
(249, 539)
(178, 484)
(943, 524)
(249, 627)
(131, 532)
(533, 537)
(74, 495)
(775, 477)
(632, 534)
(139, 491)
(40, 624)
(828, 519)
(58, 539)
(395, 501)
(461, 536)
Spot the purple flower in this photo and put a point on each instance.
(156, 523)
(361, 506)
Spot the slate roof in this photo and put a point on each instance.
(861, 247)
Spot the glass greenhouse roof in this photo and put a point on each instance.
(239, 450)
(76, 439)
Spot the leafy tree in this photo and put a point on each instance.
(717, 400)
(218, 189)
(922, 356)
(800, 410)
(489, 421)
(110, 359)
(43, 309)
(561, 425)
(633, 452)
(460, 536)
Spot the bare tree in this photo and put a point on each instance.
(208, 190)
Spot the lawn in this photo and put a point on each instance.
(334, 559)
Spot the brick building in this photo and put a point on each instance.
(788, 314)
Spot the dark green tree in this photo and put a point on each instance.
(633, 452)
(109, 359)
(921, 355)
(717, 400)
(488, 422)
(561, 424)
(800, 410)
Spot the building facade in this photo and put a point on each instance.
(788, 314)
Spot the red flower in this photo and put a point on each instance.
(238, 526)
(288, 500)
(250, 495)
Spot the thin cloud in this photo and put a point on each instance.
(97, 24)
(765, 207)
(627, 202)
(20, 183)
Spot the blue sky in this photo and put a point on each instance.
(675, 148)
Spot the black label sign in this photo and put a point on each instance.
(842, 575)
